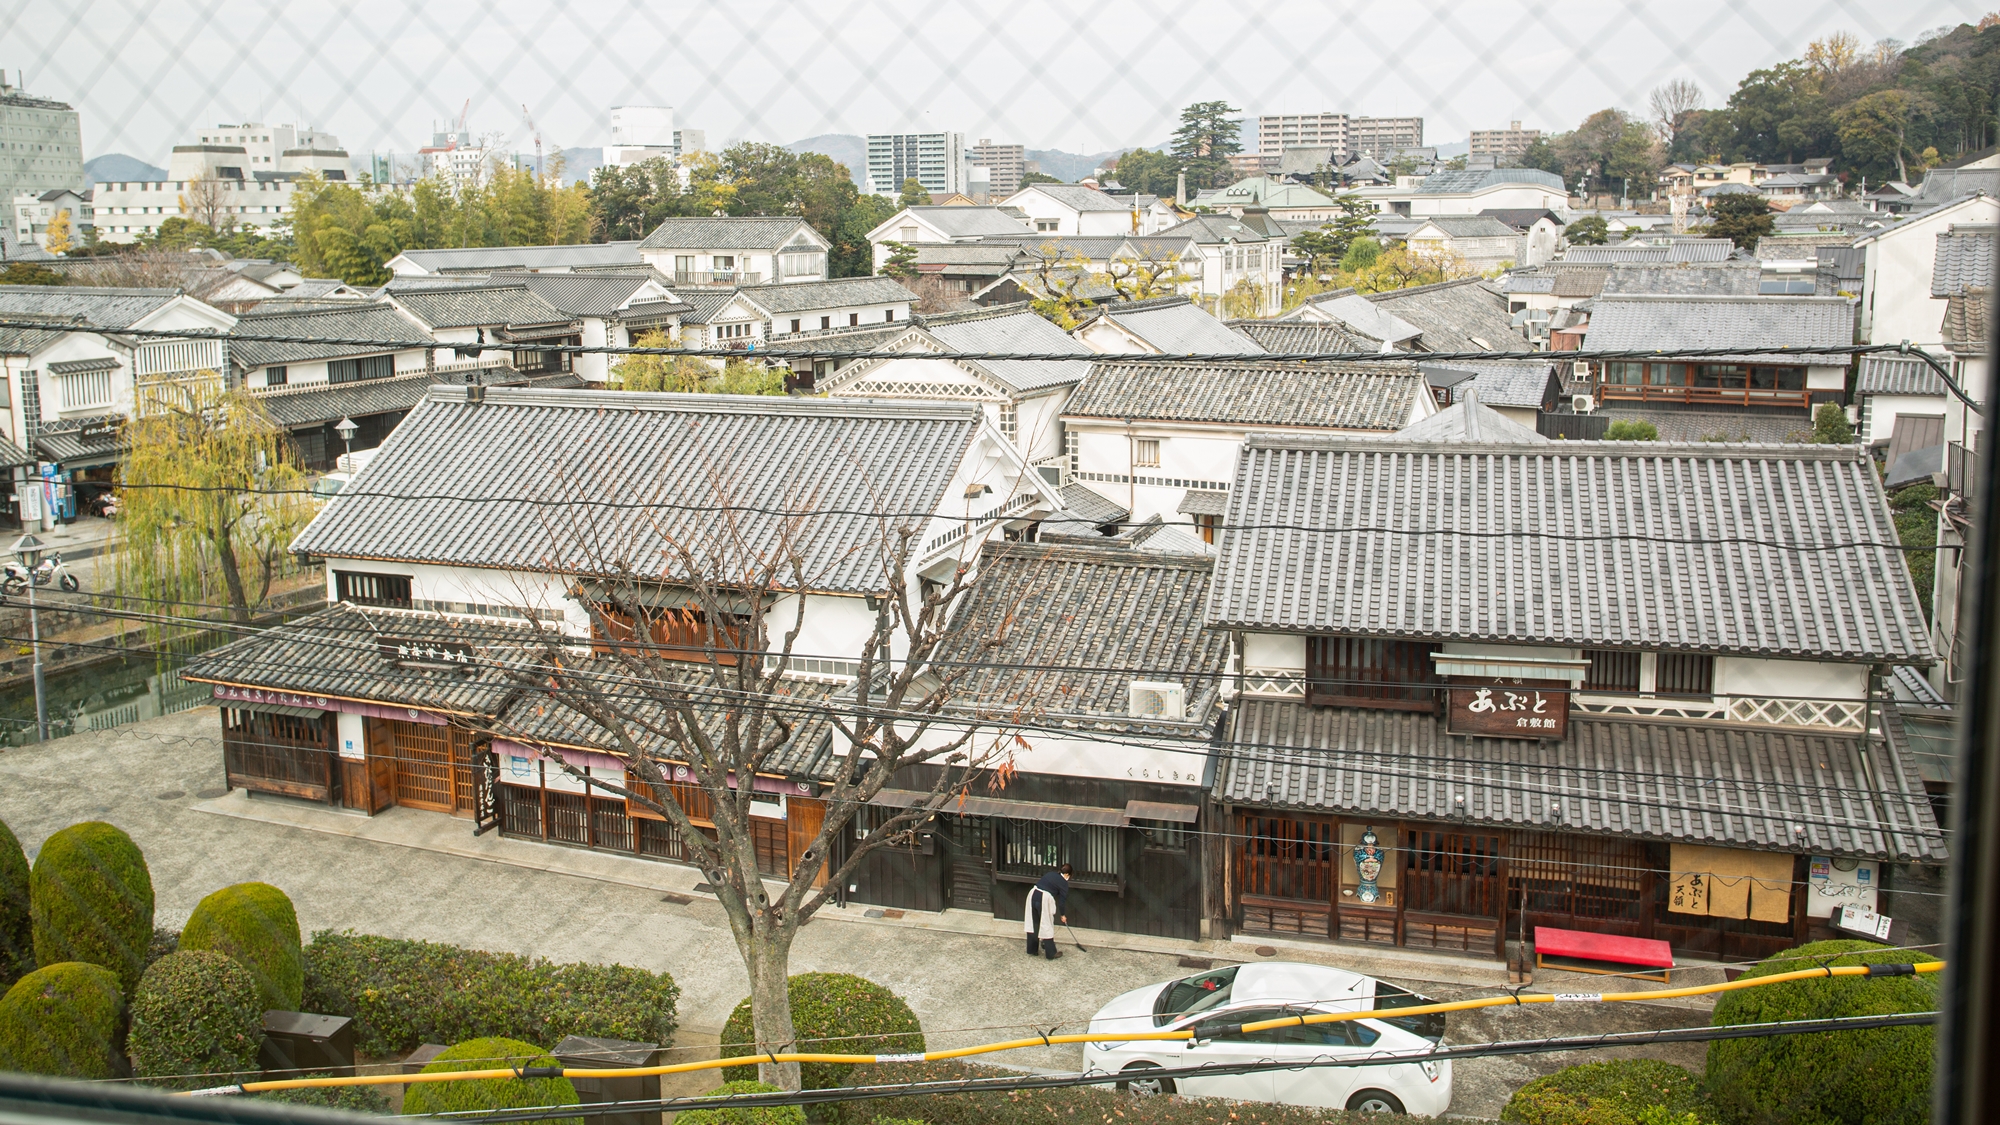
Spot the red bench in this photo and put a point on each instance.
(1582, 952)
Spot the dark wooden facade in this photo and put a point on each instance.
(1471, 889)
(290, 755)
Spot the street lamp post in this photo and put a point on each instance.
(28, 552)
(347, 429)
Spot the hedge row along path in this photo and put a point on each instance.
(1510, 1000)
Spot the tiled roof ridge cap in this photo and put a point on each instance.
(583, 399)
(1688, 450)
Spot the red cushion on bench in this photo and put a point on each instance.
(1550, 941)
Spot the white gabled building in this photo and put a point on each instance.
(736, 251)
(1078, 209)
(1897, 268)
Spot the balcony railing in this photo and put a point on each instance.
(716, 277)
(1703, 396)
(483, 363)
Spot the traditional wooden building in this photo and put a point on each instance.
(1629, 689)
(1100, 699)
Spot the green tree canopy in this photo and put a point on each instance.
(1149, 171)
(1208, 135)
(1743, 217)
(914, 194)
(1591, 230)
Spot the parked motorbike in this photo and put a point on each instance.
(14, 579)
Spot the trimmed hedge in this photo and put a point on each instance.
(353, 1099)
(743, 1115)
(1620, 1092)
(255, 924)
(92, 900)
(401, 994)
(197, 1012)
(17, 933)
(835, 1014)
(490, 1093)
(164, 941)
(67, 1019)
(1076, 1105)
(1882, 1077)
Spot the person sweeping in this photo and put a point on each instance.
(1048, 900)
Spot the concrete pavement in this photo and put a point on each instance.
(423, 875)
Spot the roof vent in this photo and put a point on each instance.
(1153, 700)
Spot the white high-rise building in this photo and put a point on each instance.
(256, 151)
(640, 132)
(41, 144)
(936, 160)
(461, 159)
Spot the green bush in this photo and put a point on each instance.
(1620, 1092)
(93, 901)
(1830, 425)
(164, 941)
(834, 1014)
(255, 924)
(1076, 1105)
(197, 1012)
(1882, 1077)
(67, 1019)
(745, 1115)
(404, 993)
(17, 934)
(1625, 429)
(490, 1093)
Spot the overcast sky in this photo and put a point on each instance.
(1083, 76)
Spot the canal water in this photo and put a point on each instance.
(105, 694)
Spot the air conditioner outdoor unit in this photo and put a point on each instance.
(1582, 404)
(1152, 700)
(1581, 371)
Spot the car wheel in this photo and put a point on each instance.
(1140, 1087)
(1374, 1101)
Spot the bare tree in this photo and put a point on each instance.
(203, 201)
(688, 678)
(937, 294)
(1672, 104)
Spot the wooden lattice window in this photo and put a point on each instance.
(1611, 671)
(674, 634)
(1371, 672)
(1289, 857)
(1683, 673)
(391, 590)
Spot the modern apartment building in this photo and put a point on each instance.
(1511, 141)
(1346, 135)
(936, 160)
(256, 151)
(1007, 163)
(640, 132)
(41, 144)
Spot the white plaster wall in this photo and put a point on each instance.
(314, 371)
(593, 367)
(1896, 301)
(1039, 424)
(897, 312)
(1882, 411)
(1118, 757)
(1789, 679)
(917, 368)
(1826, 378)
(1106, 338)
(1274, 651)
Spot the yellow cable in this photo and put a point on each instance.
(1509, 1000)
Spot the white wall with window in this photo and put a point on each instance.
(347, 369)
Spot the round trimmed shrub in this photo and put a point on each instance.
(1620, 1092)
(832, 1014)
(1882, 1077)
(743, 1115)
(92, 900)
(490, 1093)
(17, 935)
(197, 1012)
(255, 924)
(65, 1020)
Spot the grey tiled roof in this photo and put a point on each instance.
(1091, 507)
(1474, 179)
(1683, 250)
(1897, 375)
(526, 257)
(1362, 317)
(1213, 229)
(355, 320)
(1455, 316)
(1523, 383)
(1015, 330)
(1734, 279)
(465, 307)
(1964, 258)
(1375, 396)
(594, 294)
(102, 307)
(703, 304)
(308, 404)
(1395, 539)
(333, 653)
(13, 456)
(841, 340)
(1744, 787)
(1078, 197)
(723, 234)
(971, 222)
(1471, 226)
(1176, 326)
(812, 296)
(525, 468)
(1301, 336)
(28, 341)
(1742, 426)
(1967, 323)
(1468, 419)
(1578, 280)
(1073, 622)
(1667, 324)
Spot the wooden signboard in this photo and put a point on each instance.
(1530, 709)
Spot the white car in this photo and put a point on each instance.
(1239, 994)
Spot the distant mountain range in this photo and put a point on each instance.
(118, 168)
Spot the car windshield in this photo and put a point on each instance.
(1430, 1025)
(1195, 994)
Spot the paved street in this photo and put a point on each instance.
(420, 875)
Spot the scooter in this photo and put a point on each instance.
(14, 580)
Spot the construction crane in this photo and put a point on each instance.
(537, 131)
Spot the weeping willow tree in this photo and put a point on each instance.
(689, 374)
(211, 496)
